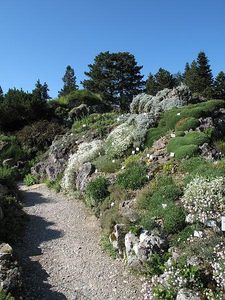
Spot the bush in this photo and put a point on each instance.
(153, 134)
(107, 165)
(134, 177)
(204, 198)
(173, 219)
(76, 98)
(97, 191)
(7, 175)
(186, 151)
(55, 184)
(4, 296)
(30, 180)
(186, 124)
(39, 136)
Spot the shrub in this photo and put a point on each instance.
(173, 219)
(220, 145)
(7, 175)
(204, 198)
(153, 134)
(186, 151)
(132, 159)
(55, 184)
(4, 296)
(186, 124)
(182, 236)
(39, 136)
(30, 180)
(97, 191)
(133, 177)
(76, 98)
(107, 165)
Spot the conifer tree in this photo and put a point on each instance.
(151, 85)
(1, 93)
(205, 77)
(219, 86)
(191, 77)
(40, 92)
(164, 79)
(69, 80)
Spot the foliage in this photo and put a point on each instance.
(186, 151)
(153, 134)
(107, 165)
(134, 177)
(4, 296)
(107, 246)
(155, 265)
(39, 136)
(161, 80)
(219, 86)
(69, 80)
(76, 98)
(7, 175)
(204, 198)
(30, 180)
(98, 124)
(12, 149)
(55, 184)
(115, 76)
(186, 124)
(19, 108)
(97, 191)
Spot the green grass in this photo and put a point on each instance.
(96, 191)
(107, 165)
(107, 246)
(30, 180)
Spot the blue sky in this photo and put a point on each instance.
(38, 39)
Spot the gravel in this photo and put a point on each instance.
(61, 256)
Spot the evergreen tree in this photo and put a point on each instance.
(41, 91)
(116, 76)
(69, 80)
(205, 80)
(219, 86)
(178, 78)
(1, 93)
(191, 76)
(164, 79)
(151, 85)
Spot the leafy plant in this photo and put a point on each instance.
(107, 165)
(107, 246)
(97, 191)
(30, 180)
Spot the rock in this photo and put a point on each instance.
(186, 294)
(131, 246)
(194, 261)
(164, 100)
(209, 152)
(1, 214)
(9, 162)
(10, 276)
(127, 210)
(79, 112)
(117, 237)
(160, 144)
(86, 152)
(205, 123)
(198, 234)
(82, 175)
(3, 144)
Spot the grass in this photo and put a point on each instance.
(96, 191)
(107, 165)
(107, 246)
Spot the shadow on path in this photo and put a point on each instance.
(28, 250)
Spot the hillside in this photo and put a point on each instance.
(154, 177)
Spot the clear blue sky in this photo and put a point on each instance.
(39, 38)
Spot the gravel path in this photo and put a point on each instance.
(61, 256)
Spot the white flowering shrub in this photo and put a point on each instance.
(204, 199)
(219, 265)
(86, 152)
(129, 134)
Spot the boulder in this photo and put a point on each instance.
(209, 152)
(127, 210)
(187, 294)
(164, 100)
(83, 173)
(117, 237)
(10, 275)
(131, 246)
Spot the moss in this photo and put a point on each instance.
(186, 151)
(153, 134)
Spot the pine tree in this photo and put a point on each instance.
(1, 93)
(116, 76)
(164, 79)
(40, 92)
(205, 80)
(191, 77)
(219, 86)
(151, 85)
(69, 80)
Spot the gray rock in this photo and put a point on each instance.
(82, 175)
(131, 246)
(186, 294)
(127, 210)
(209, 152)
(164, 100)
(117, 237)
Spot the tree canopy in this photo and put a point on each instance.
(116, 76)
(69, 80)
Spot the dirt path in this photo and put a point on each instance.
(61, 256)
